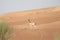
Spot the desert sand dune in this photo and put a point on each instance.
(46, 27)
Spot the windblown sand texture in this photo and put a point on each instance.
(47, 25)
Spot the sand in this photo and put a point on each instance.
(45, 24)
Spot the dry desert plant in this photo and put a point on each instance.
(5, 31)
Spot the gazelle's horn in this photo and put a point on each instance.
(29, 20)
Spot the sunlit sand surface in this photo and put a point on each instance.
(44, 24)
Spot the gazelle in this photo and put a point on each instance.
(32, 24)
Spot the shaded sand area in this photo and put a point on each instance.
(39, 24)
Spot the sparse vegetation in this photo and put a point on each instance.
(5, 31)
(58, 37)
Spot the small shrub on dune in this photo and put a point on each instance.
(5, 31)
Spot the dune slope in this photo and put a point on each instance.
(46, 27)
